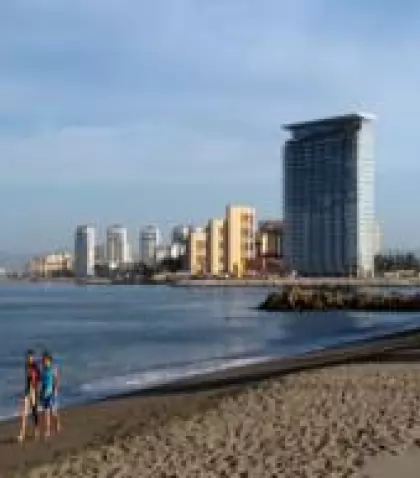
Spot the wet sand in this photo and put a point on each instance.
(257, 421)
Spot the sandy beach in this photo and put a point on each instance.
(324, 422)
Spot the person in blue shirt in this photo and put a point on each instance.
(49, 394)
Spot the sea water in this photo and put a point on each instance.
(113, 339)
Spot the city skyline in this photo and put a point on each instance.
(235, 244)
(181, 101)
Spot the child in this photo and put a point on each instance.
(49, 394)
(30, 402)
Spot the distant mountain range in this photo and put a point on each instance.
(14, 262)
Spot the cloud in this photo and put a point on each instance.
(195, 92)
(111, 61)
(132, 154)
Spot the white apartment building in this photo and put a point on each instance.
(84, 251)
(117, 248)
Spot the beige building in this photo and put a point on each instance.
(215, 253)
(240, 239)
(50, 265)
(226, 246)
(197, 252)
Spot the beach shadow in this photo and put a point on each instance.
(411, 356)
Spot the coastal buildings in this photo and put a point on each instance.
(177, 250)
(216, 247)
(178, 247)
(240, 239)
(180, 234)
(269, 247)
(117, 248)
(162, 252)
(100, 254)
(226, 245)
(270, 239)
(84, 251)
(150, 239)
(50, 265)
(197, 245)
(328, 196)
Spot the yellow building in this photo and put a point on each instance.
(226, 246)
(216, 242)
(240, 239)
(197, 252)
(50, 265)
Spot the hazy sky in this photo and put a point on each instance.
(163, 111)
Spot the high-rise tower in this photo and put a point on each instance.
(84, 251)
(329, 196)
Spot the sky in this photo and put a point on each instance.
(164, 111)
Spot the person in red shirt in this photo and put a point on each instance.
(30, 401)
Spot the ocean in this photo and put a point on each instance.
(113, 339)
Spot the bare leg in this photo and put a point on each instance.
(35, 418)
(47, 423)
(33, 408)
(56, 421)
(24, 419)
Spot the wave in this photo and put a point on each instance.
(153, 377)
(113, 386)
(166, 374)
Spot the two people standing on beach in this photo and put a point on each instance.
(41, 391)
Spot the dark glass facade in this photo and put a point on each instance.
(328, 197)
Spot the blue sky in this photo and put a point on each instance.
(136, 111)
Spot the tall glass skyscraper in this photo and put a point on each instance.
(84, 251)
(329, 196)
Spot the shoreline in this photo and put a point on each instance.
(348, 352)
(234, 283)
(105, 421)
(256, 368)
